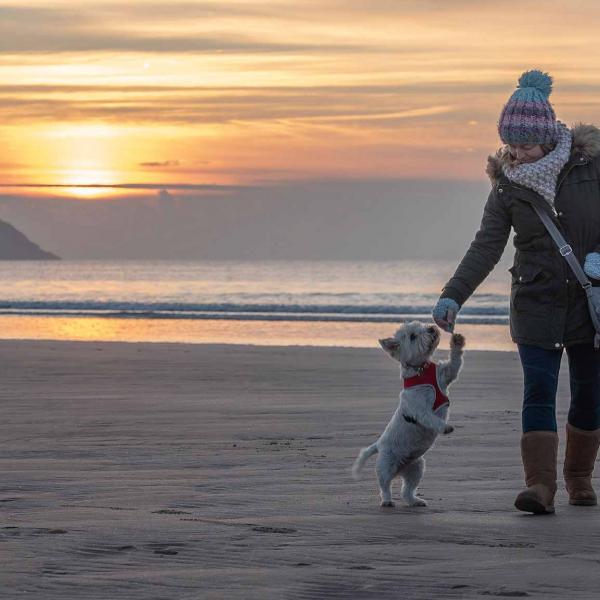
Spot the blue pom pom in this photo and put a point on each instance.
(538, 80)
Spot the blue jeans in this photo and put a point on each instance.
(540, 374)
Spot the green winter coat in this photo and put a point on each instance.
(548, 307)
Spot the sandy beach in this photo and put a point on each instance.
(173, 471)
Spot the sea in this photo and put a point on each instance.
(260, 302)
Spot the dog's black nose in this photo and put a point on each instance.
(431, 329)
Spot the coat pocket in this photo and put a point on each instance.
(528, 290)
(525, 273)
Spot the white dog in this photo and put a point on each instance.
(422, 413)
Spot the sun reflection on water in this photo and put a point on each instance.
(221, 331)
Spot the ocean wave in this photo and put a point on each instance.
(494, 314)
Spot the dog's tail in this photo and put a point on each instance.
(363, 455)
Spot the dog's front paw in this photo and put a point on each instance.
(457, 341)
(389, 504)
(448, 429)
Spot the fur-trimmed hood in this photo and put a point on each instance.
(586, 143)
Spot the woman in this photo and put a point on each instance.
(546, 164)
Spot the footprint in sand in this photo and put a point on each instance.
(105, 550)
(505, 593)
(263, 529)
(165, 548)
(170, 511)
(13, 531)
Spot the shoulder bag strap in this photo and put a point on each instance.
(567, 253)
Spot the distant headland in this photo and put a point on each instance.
(14, 245)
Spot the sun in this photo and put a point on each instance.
(81, 183)
(84, 165)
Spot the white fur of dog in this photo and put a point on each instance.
(414, 426)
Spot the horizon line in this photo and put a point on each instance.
(219, 186)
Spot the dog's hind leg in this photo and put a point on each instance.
(411, 477)
(386, 470)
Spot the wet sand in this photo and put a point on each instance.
(171, 471)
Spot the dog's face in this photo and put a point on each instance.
(413, 343)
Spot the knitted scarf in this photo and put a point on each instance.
(542, 174)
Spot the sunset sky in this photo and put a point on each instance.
(246, 92)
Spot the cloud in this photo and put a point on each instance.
(31, 17)
(347, 106)
(107, 28)
(216, 105)
(327, 104)
(183, 27)
(164, 163)
(68, 42)
(149, 11)
(309, 92)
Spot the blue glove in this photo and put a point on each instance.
(592, 265)
(440, 312)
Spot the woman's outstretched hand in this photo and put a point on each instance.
(444, 313)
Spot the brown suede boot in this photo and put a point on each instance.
(539, 450)
(580, 456)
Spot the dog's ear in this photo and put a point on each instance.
(390, 345)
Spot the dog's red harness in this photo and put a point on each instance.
(428, 377)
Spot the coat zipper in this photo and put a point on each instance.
(563, 178)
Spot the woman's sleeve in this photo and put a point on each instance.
(484, 252)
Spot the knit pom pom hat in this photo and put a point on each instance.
(528, 116)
